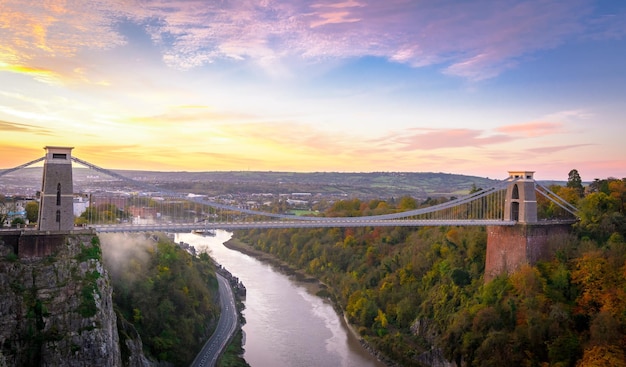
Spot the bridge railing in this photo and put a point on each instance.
(486, 203)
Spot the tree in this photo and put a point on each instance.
(574, 181)
(603, 356)
(599, 216)
(3, 210)
(32, 211)
(407, 203)
(617, 190)
(475, 189)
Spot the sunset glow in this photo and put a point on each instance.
(461, 87)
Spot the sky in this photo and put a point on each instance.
(468, 87)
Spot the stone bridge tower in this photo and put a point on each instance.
(529, 240)
(521, 200)
(56, 208)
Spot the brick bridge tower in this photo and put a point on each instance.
(56, 208)
(529, 240)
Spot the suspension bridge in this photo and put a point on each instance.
(142, 206)
(508, 209)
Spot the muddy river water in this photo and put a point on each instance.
(286, 324)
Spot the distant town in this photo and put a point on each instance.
(290, 193)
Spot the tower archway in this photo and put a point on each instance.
(521, 201)
(515, 211)
(515, 194)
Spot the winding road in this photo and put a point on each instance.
(226, 327)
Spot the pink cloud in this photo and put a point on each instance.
(473, 40)
(328, 13)
(53, 28)
(336, 5)
(532, 129)
(555, 149)
(430, 139)
(334, 18)
(291, 135)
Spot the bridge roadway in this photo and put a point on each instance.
(322, 223)
(225, 329)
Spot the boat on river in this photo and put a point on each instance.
(204, 232)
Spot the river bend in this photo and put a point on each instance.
(286, 324)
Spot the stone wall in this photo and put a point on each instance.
(57, 174)
(509, 247)
(33, 244)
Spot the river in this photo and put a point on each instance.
(286, 324)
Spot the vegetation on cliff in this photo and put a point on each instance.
(168, 295)
(409, 290)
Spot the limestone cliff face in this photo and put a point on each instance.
(56, 310)
(433, 357)
(131, 345)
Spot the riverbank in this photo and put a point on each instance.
(312, 284)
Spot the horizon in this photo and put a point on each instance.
(325, 86)
(40, 166)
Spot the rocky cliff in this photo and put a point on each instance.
(434, 357)
(56, 310)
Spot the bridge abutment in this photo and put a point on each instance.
(510, 247)
(526, 242)
(28, 244)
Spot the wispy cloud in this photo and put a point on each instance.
(192, 115)
(555, 149)
(292, 136)
(9, 126)
(16, 127)
(430, 139)
(52, 32)
(41, 74)
(569, 115)
(473, 40)
(532, 129)
(334, 13)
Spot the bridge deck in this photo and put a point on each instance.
(186, 227)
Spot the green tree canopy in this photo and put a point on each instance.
(574, 181)
(32, 211)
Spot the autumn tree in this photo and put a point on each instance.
(32, 211)
(599, 216)
(617, 190)
(407, 203)
(170, 296)
(410, 290)
(574, 181)
(603, 356)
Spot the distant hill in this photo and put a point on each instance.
(373, 184)
(362, 185)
